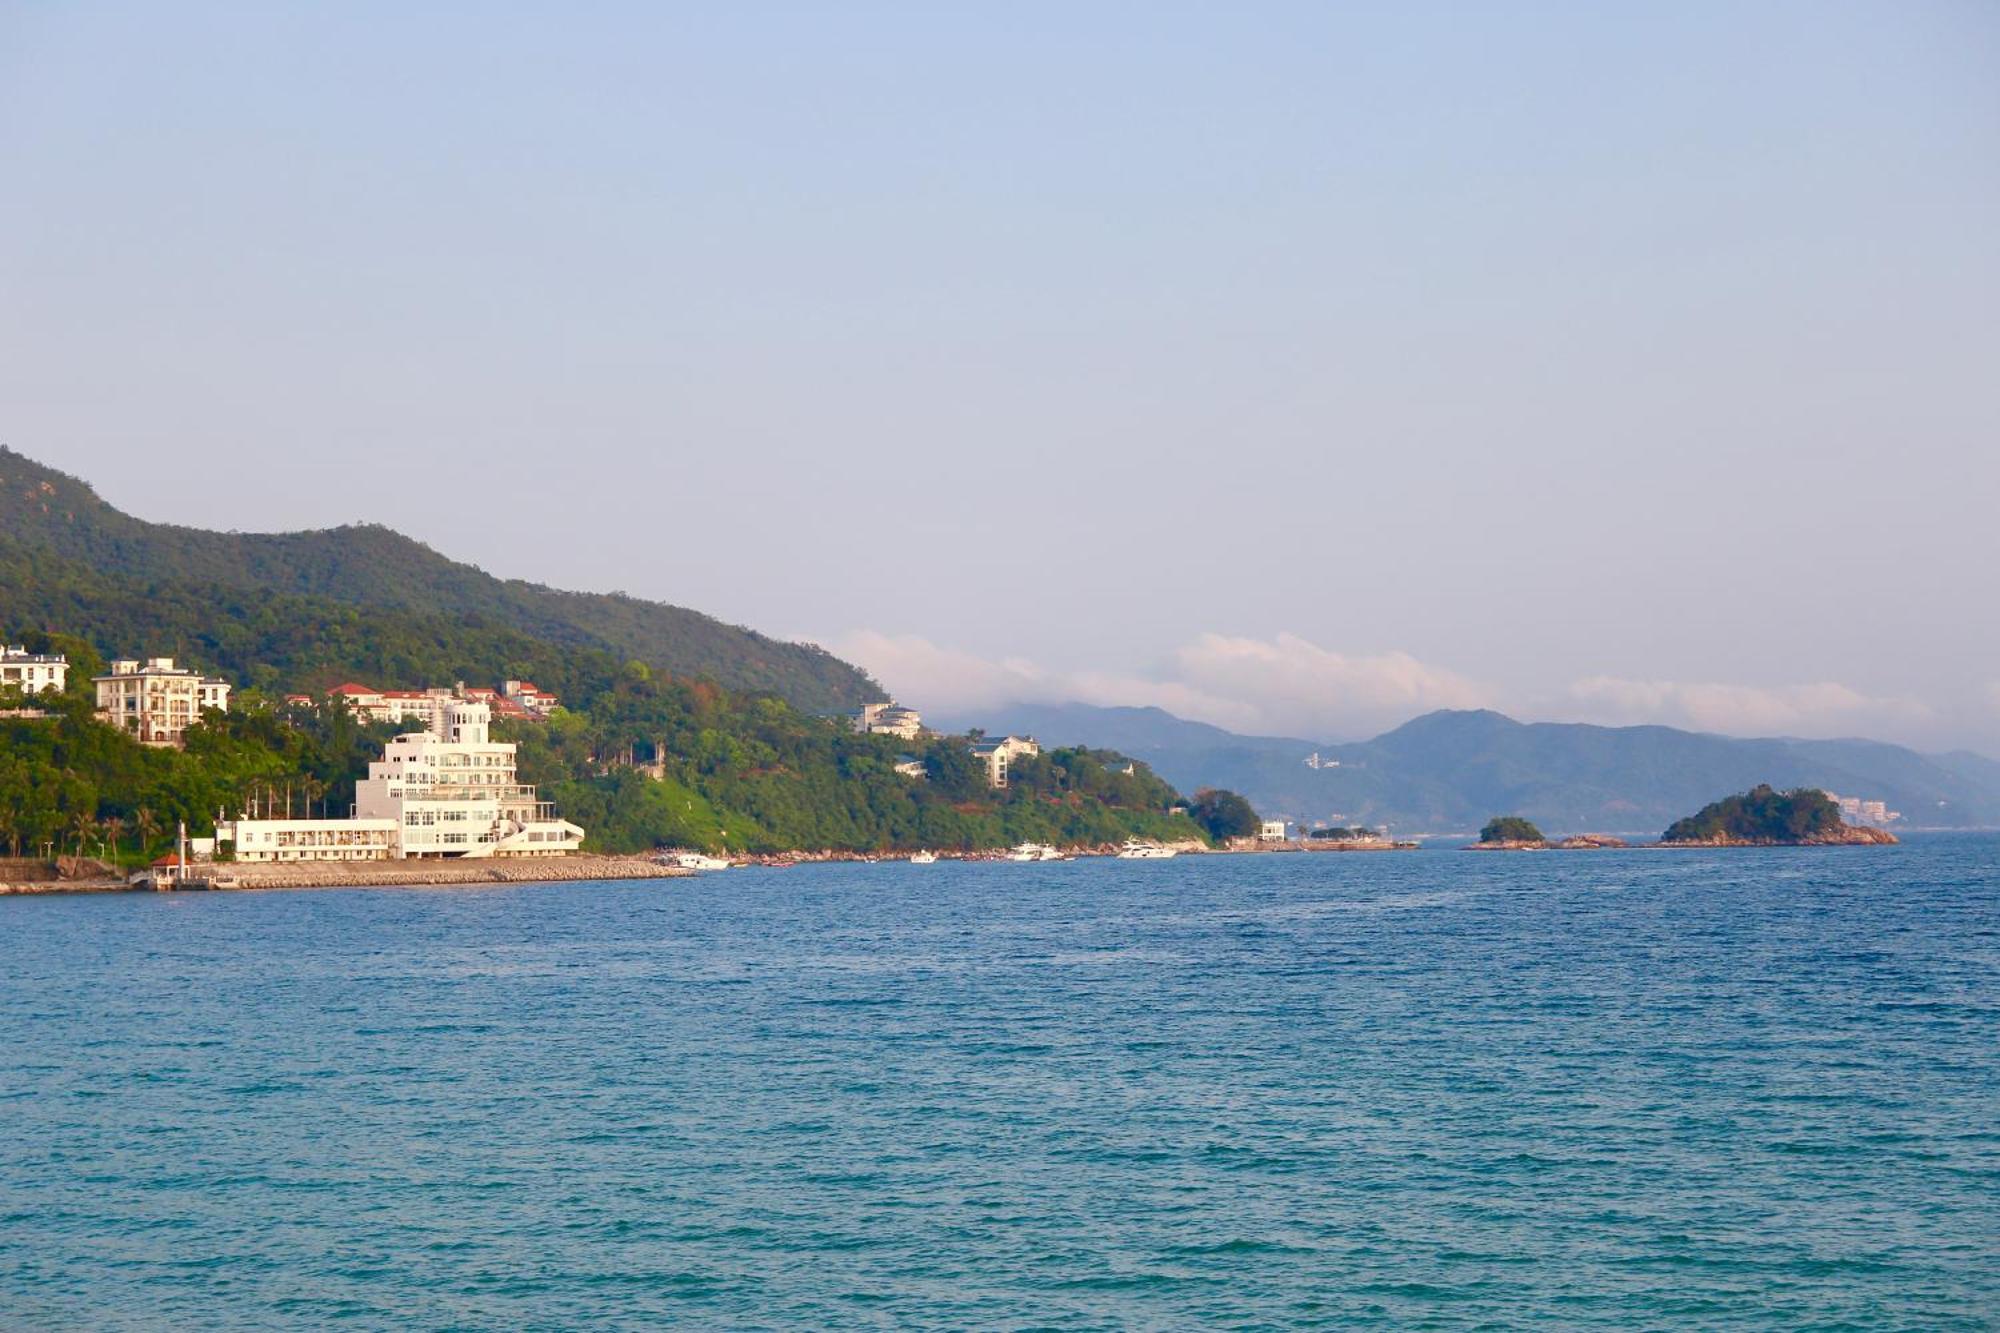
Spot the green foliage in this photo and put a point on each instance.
(1761, 814)
(749, 773)
(953, 773)
(737, 770)
(82, 785)
(58, 518)
(1510, 828)
(1223, 814)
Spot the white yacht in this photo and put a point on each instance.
(1135, 850)
(922, 858)
(698, 861)
(1034, 851)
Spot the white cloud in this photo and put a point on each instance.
(1284, 684)
(1820, 708)
(1288, 685)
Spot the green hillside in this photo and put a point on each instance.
(738, 770)
(42, 510)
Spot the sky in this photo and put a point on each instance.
(1296, 367)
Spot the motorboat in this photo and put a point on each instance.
(1034, 851)
(699, 861)
(922, 858)
(1136, 850)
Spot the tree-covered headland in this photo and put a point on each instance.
(1763, 814)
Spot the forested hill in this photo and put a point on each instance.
(43, 510)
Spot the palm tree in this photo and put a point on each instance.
(147, 825)
(81, 826)
(312, 787)
(113, 826)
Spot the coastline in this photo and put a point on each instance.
(230, 877)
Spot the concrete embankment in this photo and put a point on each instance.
(377, 874)
(65, 874)
(419, 874)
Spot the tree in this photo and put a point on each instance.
(1510, 828)
(81, 826)
(953, 773)
(1223, 814)
(147, 825)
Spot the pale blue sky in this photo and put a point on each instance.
(1074, 333)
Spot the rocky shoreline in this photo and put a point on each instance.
(1850, 835)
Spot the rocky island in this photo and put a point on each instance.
(1765, 817)
(1510, 833)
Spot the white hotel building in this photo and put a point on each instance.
(455, 795)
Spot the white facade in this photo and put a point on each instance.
(313, 839)
(1272, 830)
(458, 795)
(889, 719)
(156, 701)
(998, 756)
(454, 795)
(33, 673)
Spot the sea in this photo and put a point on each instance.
(1421, 1090)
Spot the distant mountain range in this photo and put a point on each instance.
(43, 510)
(1449, 771)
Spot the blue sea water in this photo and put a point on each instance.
(1427, 1090)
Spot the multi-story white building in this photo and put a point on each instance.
(889, 719)
(33, 673)
(450, 795)
(459, 795)
(999, 756)
(155, 700)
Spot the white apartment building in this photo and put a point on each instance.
(998, 756)
(155, 700)
(889, 719)
(458, 795)
(33, 673)
(450, 795)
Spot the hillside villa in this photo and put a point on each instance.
(33, 673)
(998, 756)
(156, 701)
(887, 719)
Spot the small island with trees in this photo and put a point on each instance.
(1766, 817)
(1760, 817)
(1510, 833)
